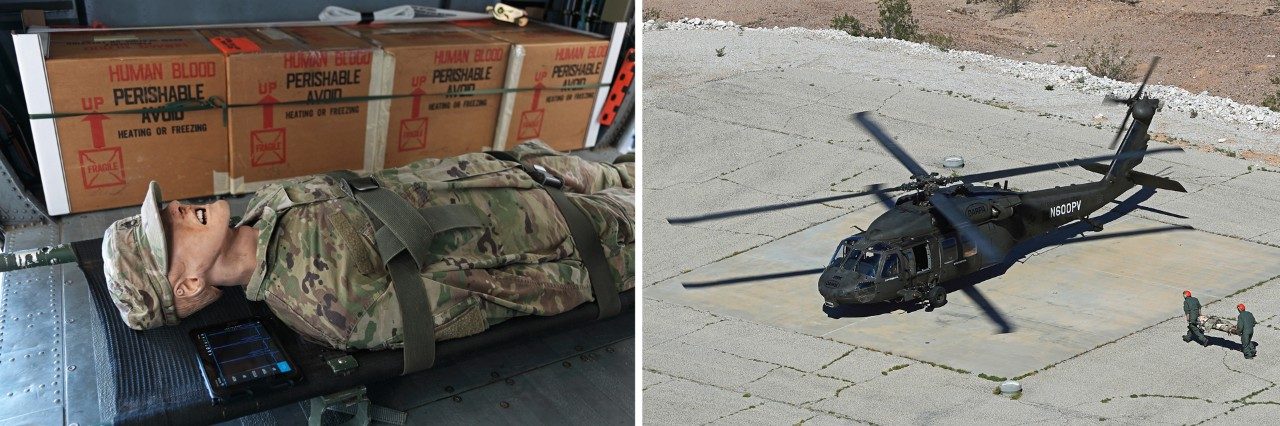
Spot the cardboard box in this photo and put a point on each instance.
(97, 160)
(431, 60)
(267, 66)
(543, 59)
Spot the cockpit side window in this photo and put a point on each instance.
(891, 266)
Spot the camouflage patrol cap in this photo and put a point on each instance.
(136, 261)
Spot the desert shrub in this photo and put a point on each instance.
(938, 40)
(1107, 60)
(1273, 100)
(1008, 7)
(896, 20)
(652, 14)
(847, 24)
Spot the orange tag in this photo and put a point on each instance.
(234, 45)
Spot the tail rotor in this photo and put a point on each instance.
(1111, 99)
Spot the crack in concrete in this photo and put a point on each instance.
(775, 194)
(1242, 401)
(728, 230)
(720, 320)
(886, 100)
(824, 366)
(730, 414)
(830, 413)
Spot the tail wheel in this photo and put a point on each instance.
(937, 296)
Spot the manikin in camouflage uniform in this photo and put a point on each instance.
(305, 248)
(1245, 323)
(1191, 307)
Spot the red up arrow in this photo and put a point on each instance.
(537, 95)
(268, 104)
(417, 101)
(95, 124)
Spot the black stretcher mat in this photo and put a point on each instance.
(154, 376)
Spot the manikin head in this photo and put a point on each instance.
(1186, 293)
(1240, 307)
(196, 235)
(158, 263)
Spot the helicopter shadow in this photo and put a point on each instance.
(1071, 233)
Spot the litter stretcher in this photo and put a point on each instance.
(154, 376)
(1212, 322)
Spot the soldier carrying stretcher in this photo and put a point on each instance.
(1242, 326)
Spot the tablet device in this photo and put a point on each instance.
(242, 357)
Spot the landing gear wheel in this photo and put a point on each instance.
(522, 21)
(937, 297)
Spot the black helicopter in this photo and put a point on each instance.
(952, 226)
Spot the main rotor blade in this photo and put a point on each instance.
(986, 249)
(1154, 60)
(1116, 140)
(761, 209)
(749, 278)
(1006, 173)
(987, 308)
(880, 195)
(864, 119)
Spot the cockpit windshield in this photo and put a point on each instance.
(844, 250)
(864, 263)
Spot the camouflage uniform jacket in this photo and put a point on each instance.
(321, 274)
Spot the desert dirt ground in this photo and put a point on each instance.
(1228, 48)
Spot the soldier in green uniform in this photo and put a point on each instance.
(1245, 323)
(1191, 307)
(307, 249)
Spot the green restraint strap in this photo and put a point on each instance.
(403, 237)
(584, 237)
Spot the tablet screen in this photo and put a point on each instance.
(244, 353)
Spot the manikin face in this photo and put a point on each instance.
(196, 234)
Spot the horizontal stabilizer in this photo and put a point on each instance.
(1153, 181)
(1139, 178)
(1098, 168)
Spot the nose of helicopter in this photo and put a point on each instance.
(838, 289)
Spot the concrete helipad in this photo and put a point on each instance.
(1096, 321)
(1061, 301)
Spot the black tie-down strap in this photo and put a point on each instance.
(583, 233)
(403, 237)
